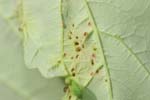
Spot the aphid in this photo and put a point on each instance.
(64, 54)
(97, 71)
(92, 73)
(69, 37)
(20, 29)
(77, 56)
(106, 80)
(92, 62)
(72, 25)
(72, 69)
(70, 97)
(59, 61)
(77, 37)
(85, 33)
(94, 49)
(89, 23)
(76, 43)
(63, 25)
(70, 32)
(65, 88)
(73, 74)
(93, 55)
(72, 57)
(78, 49)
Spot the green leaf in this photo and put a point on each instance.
(63, 37)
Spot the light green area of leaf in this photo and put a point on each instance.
(119, 29)
(126, 39)
(16, 81)
(41, 27)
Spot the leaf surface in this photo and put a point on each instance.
(76, 37)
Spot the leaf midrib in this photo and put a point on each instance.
(98, 34)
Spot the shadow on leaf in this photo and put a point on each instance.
(88, 95)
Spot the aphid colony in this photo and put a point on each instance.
(79, 44)
(80, 57)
